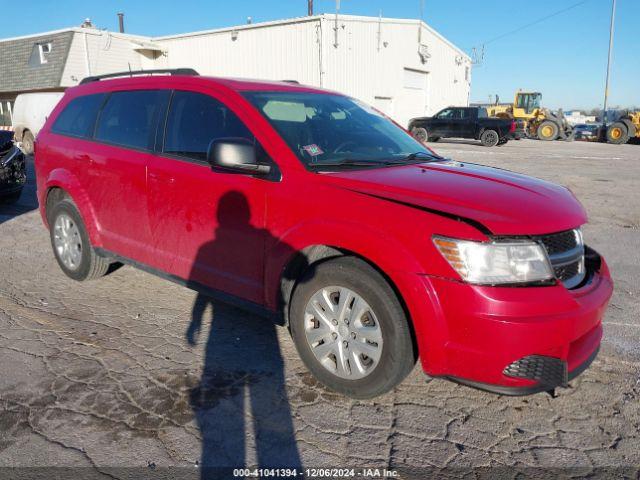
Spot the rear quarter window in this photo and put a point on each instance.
(79, 116)
(129, 118)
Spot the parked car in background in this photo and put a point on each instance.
(30, 111)
(586, 131)
(463, 122)
(314, 207)
(13, 172)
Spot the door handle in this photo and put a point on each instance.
(161, 178)
(82, 157)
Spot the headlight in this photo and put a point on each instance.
(495, 262)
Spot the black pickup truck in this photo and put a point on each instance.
(463, 122)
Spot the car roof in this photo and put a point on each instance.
(166, 81)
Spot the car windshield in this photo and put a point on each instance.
(326, 130)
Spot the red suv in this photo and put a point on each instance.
(315, 207)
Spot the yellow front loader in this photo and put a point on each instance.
(539, 122)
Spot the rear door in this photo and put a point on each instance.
(207, 227)
(467, 125)
(116, 163)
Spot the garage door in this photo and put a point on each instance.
(413, 99)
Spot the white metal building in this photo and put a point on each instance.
(403, 67)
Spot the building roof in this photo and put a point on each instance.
(89, 30)
(19, 75)
(324, 16)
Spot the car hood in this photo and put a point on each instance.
(505, 203)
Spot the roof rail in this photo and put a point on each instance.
(131, 73)
(291, 81)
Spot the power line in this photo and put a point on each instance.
(535, 22)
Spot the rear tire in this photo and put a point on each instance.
(27, 142)
(489, 138)
(71, 245)
(372, 321)
(420, 134)
(617, 133)
(547, 131)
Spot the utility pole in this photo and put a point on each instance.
(606, 87)
(335, 26)
(420, 23)
(310, 8)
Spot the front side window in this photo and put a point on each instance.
(452, 114)
(79, 116)
(129, 118)
(529, 101)
(445, 114)
(326, 129)
(195, 120)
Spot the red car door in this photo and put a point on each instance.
(116, 162)
(207, 227)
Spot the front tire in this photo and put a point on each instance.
(547, 131)
(350, 328)
(489, 138)
(11, 198)
(71, 246)
(420, 134)
(617, 133)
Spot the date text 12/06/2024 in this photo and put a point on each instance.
(315, 473)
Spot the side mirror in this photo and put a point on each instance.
(235, 155)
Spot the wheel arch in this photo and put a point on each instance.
(631, 128)
(63, 184)
(301, 261)
(18, 132)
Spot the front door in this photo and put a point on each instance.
(207, 227)
(441, 124)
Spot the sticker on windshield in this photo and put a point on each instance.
(313, 150)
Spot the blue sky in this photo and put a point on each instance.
(564, 57)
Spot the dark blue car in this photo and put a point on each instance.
(13, 172)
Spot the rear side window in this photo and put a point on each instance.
(130, 118)
(195, 120)
(79, 116)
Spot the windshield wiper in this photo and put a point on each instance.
(349, 162)
(416, 157)
(419, 155)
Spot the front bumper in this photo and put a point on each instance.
(513, 340)
(13, 173)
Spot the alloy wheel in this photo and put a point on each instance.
(67, 241)
(343, 332)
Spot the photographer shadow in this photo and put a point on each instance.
(241, 398)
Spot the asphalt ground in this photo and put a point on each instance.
(100, 379)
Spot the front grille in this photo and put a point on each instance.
(559, 242)
(548, 371)
(566, 254)
(567, 272)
